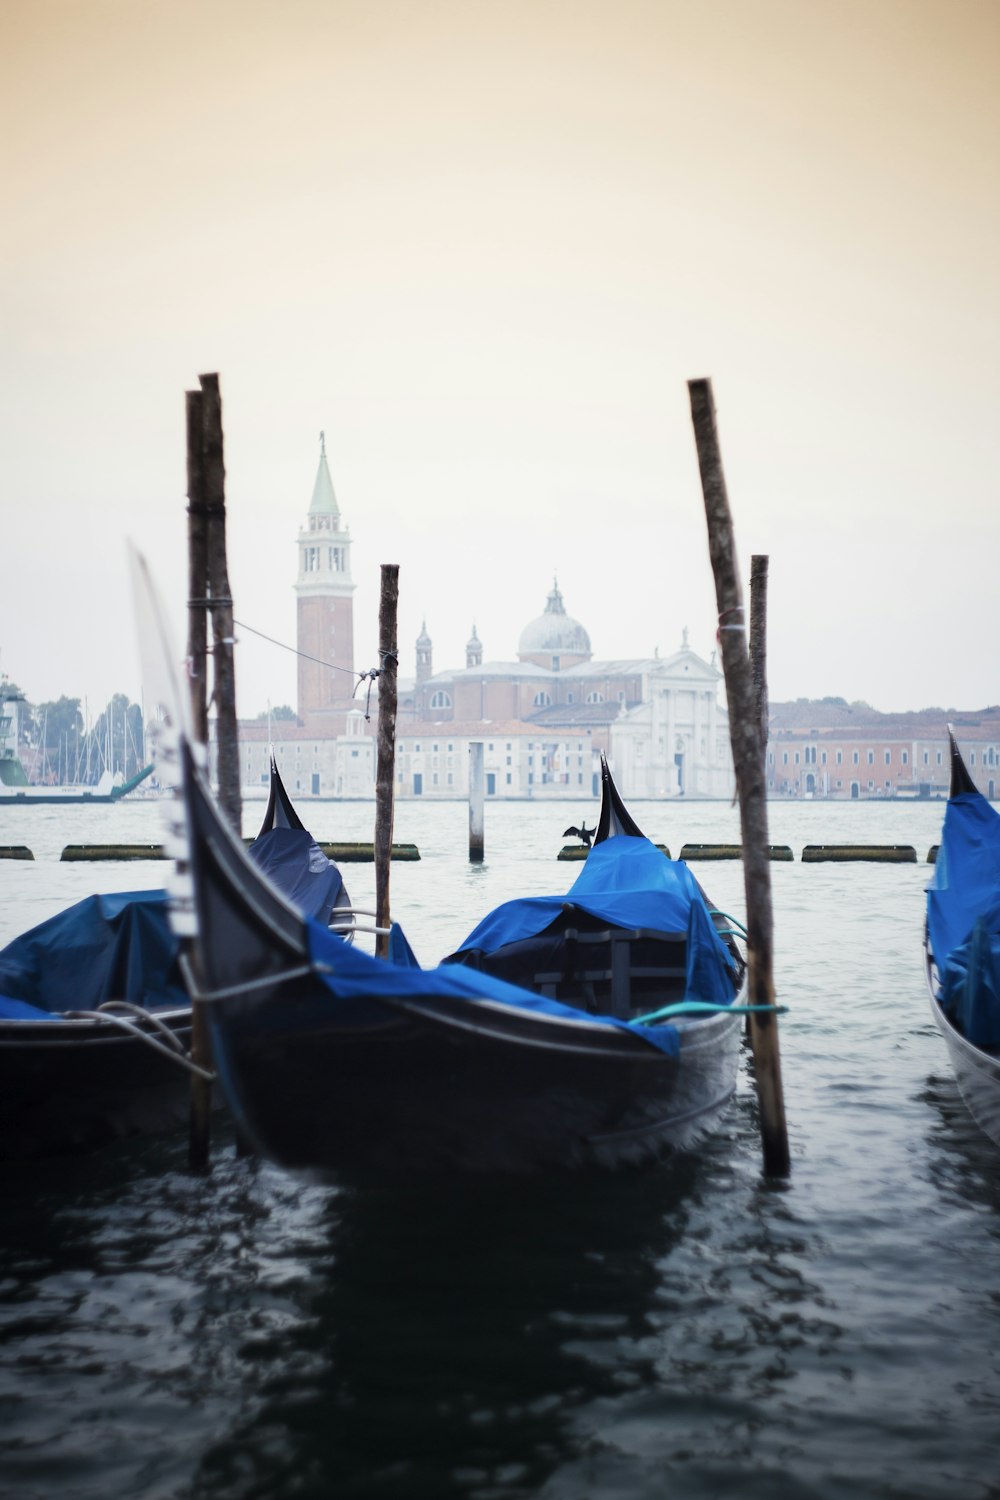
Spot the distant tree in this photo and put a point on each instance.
(60, 731)
(283, 712)
(117, 742)
(840, 702)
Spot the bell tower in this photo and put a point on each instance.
(325, 609)
(425, 656)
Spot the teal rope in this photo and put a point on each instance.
(698, 1007)
(735, 920)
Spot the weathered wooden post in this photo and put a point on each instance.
(476, 823)
(745, 737)
(201, 1090)
(221, 605)
(758, 648)
(758, 663)
(385, 765)
(197, 653)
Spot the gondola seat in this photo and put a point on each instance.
(605, 970)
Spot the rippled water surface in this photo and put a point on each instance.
(689, 1331)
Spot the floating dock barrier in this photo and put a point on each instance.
(15, 851)
(883, 854)
(347, 854)
(580, 851)
(339, 853)
(87, 852)
(932, 854)
(731, 851)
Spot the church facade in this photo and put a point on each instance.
(543, 715)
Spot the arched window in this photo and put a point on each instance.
(440, 699)
(542, 699)
(595, 697)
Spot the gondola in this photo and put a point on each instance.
(289, 856)
(95, 1015)
(95, 1026)
(597, 1028)
(962, 944)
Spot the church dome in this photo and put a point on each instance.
(554, 633)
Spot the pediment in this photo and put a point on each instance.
(683, 668)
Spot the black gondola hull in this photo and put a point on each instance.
(71, 1086)
(977, 1074)
(352, 1084)
(357, 1088)
(971, 860)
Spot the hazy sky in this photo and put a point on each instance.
(484, 245)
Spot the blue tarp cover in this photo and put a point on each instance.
(112, 947)
(963, 917)
(291, 858)
(626, 882)
(354, 975)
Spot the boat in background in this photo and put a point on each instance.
(108, 789)
(600, 1027)
(286, 852)
(962, 944)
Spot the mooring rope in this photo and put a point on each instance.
(174, 1053)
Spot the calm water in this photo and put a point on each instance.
(691, 1331)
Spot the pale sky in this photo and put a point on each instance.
(484, 245)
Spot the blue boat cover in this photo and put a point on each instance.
(350, 974)
(113, 947)
(963, 917)
(292, 859)
(626, 882)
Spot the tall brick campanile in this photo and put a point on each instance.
(325, 592)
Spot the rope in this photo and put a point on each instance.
(124, 1023)
(332, 665)
(715, 912)
(247, 986)
(371, 676)
(171, 1037)
(700, 1007)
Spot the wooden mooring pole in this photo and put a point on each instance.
(477, 831)
(758, 648)
(208, 592)
(197, 652)
(745, 736)
(385, 765)
(199, 1132)
(221, 605)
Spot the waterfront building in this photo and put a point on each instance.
(544, 713)
(831, 749)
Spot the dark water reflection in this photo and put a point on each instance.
(248, 1335)
(688, 1331)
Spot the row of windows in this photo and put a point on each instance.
(441, 699)
(809, 757)
(565, 749)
